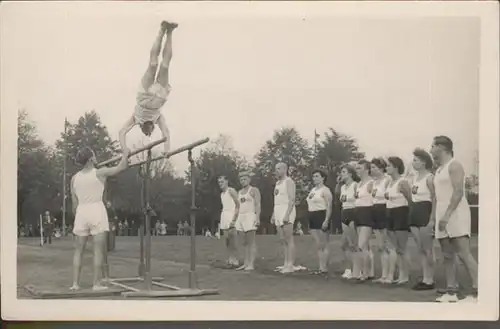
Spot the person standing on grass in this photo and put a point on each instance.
(248, 219)
(380, 183)
(284, 215)
(422, 216)
(163, 228)
(48, 227)
(87, 188)
(228, 218)
(346, 190)
(363, 268)
(398, 195)
(319, 206)
(453, 218)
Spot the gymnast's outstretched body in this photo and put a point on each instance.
(153, 91)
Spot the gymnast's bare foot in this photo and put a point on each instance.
(164, 26)
(171, 26)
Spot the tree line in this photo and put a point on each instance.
(40, 172)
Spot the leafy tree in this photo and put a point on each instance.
(37, 185)
(218, 159)
(287, 146)
(333, 151)
(88, 131)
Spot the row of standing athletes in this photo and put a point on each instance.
(376, 199)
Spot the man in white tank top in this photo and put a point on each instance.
(87, 187)
(452, 214)
(228, 217)
(284, 214)
(248, 219)
(153, 93)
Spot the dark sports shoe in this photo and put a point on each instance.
(420, 286)
(445, 290)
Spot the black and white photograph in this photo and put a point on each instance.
(217, 159)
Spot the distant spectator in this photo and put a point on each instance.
(48, 227)
(163, 228)
(179, 228)
(157, 230)
(186, 229)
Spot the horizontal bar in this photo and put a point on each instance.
(172, 293)
(135, 279)
(174, 152)
(134, 152)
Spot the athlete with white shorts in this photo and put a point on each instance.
(153, 91)
(248, 219)
(453, 219)
(91, 218)
(228, 217)
(284, 215)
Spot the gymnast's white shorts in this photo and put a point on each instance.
(90, 219)
(226, 217)
(459, 224)
(246, 222)
(279, 214)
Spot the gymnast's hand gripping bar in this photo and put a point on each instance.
(132, 153)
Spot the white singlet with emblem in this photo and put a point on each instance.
(459, 223)
(395, 198)
(247, 215)
(228, 209)
(316, 199)
(91, 216)
(347, 195)
(363, 196)
(281, 202)
(378, 190)
(420, 190)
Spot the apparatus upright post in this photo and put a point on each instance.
(147, 180)
(193, 281)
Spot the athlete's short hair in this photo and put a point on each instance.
(350, 169)
(365, 164)
(424, 157)
(445, 142)
(397, 163)
(245, 173)
(379, 163)
(224, 177)
(321, 172)
(84, 155)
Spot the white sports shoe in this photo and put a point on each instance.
(347, 274)
(447, 298)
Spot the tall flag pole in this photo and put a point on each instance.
(64, 179)
(316, 135)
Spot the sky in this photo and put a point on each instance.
(390, 83)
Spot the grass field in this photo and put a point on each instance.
(49, 268)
